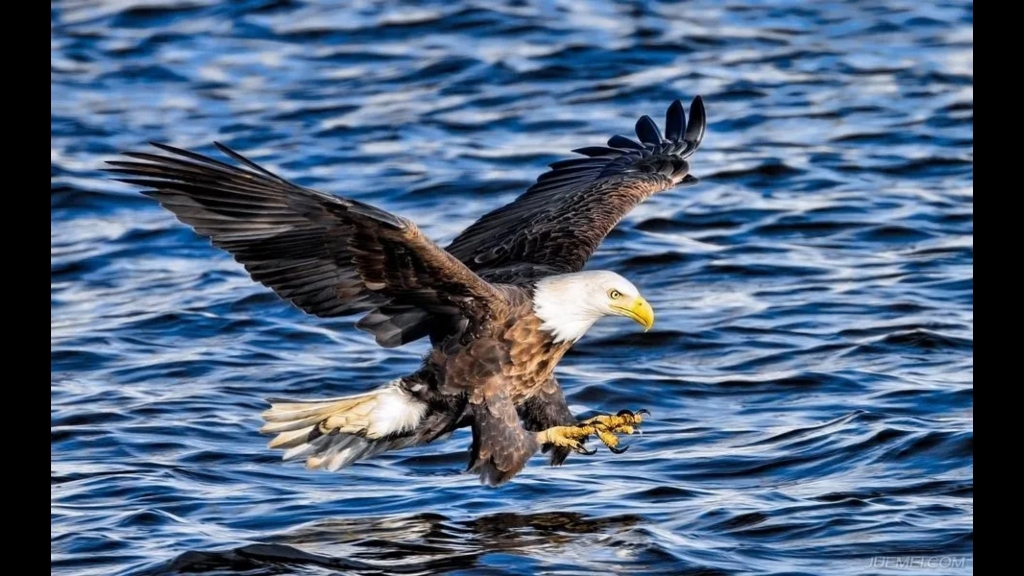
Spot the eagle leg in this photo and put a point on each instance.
(604, 427)
(545, 409)
(571, 437)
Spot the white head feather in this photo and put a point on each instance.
(569, 304)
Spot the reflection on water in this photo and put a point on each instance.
(431, 543)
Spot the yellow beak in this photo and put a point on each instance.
(638, 310)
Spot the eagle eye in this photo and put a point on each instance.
(614, 294)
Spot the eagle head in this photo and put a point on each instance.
(569, 304)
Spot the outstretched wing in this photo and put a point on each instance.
(328, 255)
(557, 224)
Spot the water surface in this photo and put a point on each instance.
(810, 374)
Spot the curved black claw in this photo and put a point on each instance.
(618, 450)
(581, 449)
(640, 412)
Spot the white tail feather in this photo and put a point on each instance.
(332, 434)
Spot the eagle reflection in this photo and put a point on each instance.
(436, 542)
(421, 544)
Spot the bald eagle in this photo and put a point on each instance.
(501, 304)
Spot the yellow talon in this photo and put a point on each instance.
(568, 436)
(605, 427)
(610, 440)
(625, 422)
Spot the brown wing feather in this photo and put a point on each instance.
(556, 225)
(330, 256)
(501, 446)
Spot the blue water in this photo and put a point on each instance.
(810, 374)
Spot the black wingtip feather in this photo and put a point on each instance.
(675, 121)
(648, 131)
(624, 143)
(179, 152)
(223, 148)
(698, 122)
(597, 151)
(171, 149)
(195, 158)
